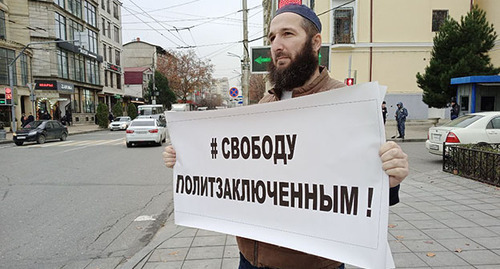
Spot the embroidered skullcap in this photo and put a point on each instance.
(303, 11)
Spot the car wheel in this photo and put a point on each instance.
(64, 136)
(19, 143)
(41, 139)
(129, 145)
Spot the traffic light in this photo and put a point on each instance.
(2, 99)
(8, 96)
(349, 81)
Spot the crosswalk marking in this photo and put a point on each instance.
(82, 143)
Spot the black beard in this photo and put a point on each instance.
(298, 72)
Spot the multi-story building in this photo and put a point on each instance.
(389, 41)
(111, 47)
(14, 38)
(136, 83)
(66, 69)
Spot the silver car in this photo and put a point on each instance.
(146, 131)
(120, 123)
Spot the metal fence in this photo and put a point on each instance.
(479, 162)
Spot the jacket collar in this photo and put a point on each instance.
(305, 89)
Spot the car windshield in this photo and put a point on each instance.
(33, 124)
(142, 123)
(463, 121)
(123, 119)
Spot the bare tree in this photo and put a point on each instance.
(257, 87)
(186, 73)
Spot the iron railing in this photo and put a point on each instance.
(480, 162)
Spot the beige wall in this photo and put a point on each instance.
(492, 8)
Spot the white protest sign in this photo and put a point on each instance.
(303, 173)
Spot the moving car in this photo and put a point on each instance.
(481, 127)
(146, 130)
(120, 123)
(40, 131)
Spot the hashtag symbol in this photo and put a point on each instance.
(213, 145)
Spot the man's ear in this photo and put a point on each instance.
(316, 42)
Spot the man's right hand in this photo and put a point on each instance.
(169, 156)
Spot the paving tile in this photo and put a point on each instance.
(231, 240)
(458, 223)
(196, 253)
(443, 203)
(231, 252)
(487, 221)
(168, 255)
(177, 242)
(414, 216)
(494, 266)
(484, 207)
(474, 232)
(188, 232)
(471, 214)
(460, 243)
(490, 243)
(457, 208)
(443, 215)
(408, 260)
(408, 234)
(495, 229)
(442, 259)
(478, 257)
(164, 265)
(399, 225)
(203, 264)
(443, 233)
(230, 263)
(494, 213)
(423, 245)
(427, 224)
(207, 233)
(397, 246)
(203, 241)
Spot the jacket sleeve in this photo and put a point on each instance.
(394, 195)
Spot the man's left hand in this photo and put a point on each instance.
(394, 162)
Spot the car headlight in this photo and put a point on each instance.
(124, 125)
(32, 133)
(14, 134)
(109, 126)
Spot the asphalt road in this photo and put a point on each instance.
(83, 203)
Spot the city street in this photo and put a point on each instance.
(87, 201)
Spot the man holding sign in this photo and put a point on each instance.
(295, 42)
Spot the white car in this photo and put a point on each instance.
(120, 123)
(481, 127)
(146, 131)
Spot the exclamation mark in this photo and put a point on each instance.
(370, 197)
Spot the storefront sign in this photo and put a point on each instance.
(65, 87)
(46, 85)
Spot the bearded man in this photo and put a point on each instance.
(295, 37)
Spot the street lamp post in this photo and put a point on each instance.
(245, 68)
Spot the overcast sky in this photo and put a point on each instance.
(213, 27)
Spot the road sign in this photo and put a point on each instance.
(261, 57)
(233, 92)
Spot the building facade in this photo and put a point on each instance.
(390, 41)
(66, 70)
(111, 47)
(14, 38)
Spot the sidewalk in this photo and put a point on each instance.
(442, 221)
(72, 130)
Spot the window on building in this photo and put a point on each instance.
(343, 26)
(92, 41)
(116, 34)
(75, 7)
(90, 14)
(109, 7)
(104, 52)
(115, 11)
(88, 100)
(111, 78)
(60, 3)
(464, 103)
(74, 30)
(110, 57)
(103, 29)
(438, 18)
(109, 29)
(103, 4)
(106, 78)
(118, 81)
(24, 69)
(62, 63)
(60, 26)
(6, 57)
(117, 57)
(76, 101)
(2, 25)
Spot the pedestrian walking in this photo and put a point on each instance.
(455, 110)
(295, 38)
(384, 111)
(401, 114)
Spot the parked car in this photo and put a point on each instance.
(482, 127)
(146, 130)
(40, 131)
(120, 123)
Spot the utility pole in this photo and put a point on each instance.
(153, 91)
(245, 64)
